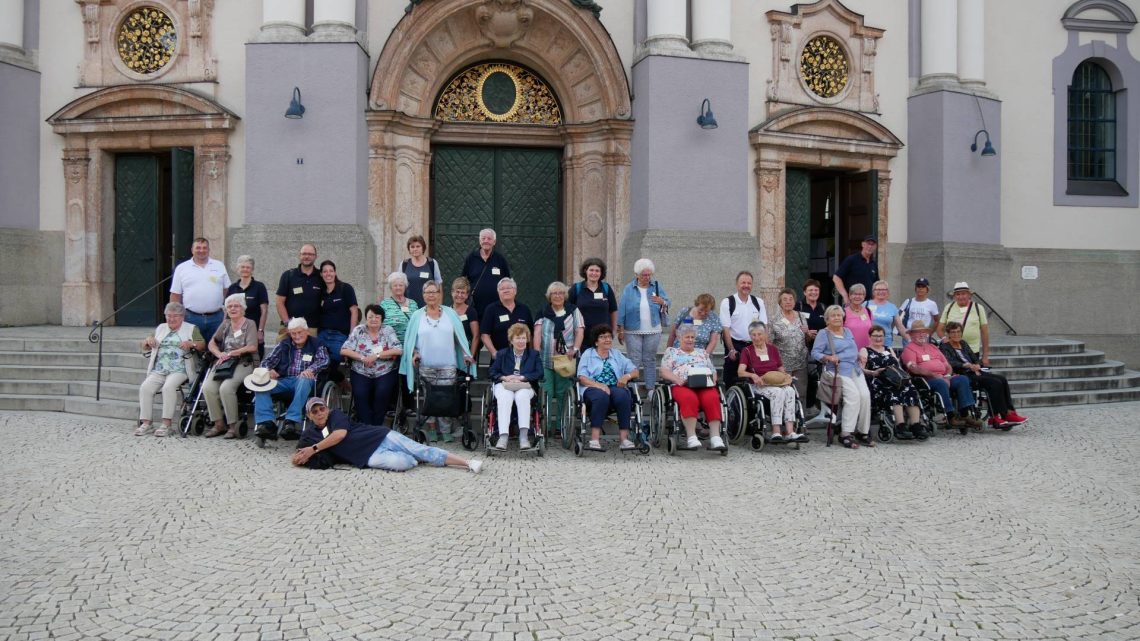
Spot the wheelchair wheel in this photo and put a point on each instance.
(243, 426)
(671, 445)
(886, 433)
(570, 420)
(656, 417)
(736, 418)
(578, 447)
(467, 439)
(757, 442)
(199, 425)
(184, 425)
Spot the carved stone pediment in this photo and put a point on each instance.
(504, 21)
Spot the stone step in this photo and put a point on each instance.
(34, 403)
(1107, 368)
(1087, 357)
(71, 345)
(72, 360)
(126, 410)
(1050, 399)
(131, 375)
(1129, 379)
(1048, 346)
(34, 388)
(109, 391)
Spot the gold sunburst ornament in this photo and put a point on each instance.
(147, 40)
(498, 92)
(824, 67)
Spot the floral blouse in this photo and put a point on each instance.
(680, 362)
(705, 328)
(361, 342)
(169, 357)
(790, 339)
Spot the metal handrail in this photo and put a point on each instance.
(1010, 331)
(96, 335)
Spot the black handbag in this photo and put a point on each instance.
(444, 400)
(225, 371)
(894, 376)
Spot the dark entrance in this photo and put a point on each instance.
(154, 227)
(828, 214)
(516, 192)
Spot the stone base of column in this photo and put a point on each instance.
(280, 32)
(985, 267)
(716, 49)
(333, 32)
(666, 45)
(34, 297)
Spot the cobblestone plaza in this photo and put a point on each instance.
(1023, 535)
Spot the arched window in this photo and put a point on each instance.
(1092, 125)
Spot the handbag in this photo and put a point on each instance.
(225, 371)
(776, 379)
(699, 378)
(827, 388)
(563, 365)
(894, 376)
(443, 399)
(514, 386)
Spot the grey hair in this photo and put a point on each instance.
(643, 264)
(398, 277)
(235, 298)
(555, 287)
(857, 288)
(506, 281)
(243, 259)
(684, 329)
(880, 282)
(757, 325)
(298, 323)
(490, 231)
(174, 308)
(832, 309)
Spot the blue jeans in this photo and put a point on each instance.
(207, 324)
(302, 389)
(332, 340)
(398, 453)
(961, 387)
(600, 404)
(372, 395)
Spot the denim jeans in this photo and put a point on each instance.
(642, 350)
(302, 389)
(207, 324)
(398, 453)
(332, 340)
(961, 387)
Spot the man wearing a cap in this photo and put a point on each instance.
(858, 268)
(972, 316)
(363, 445)
(920, 308)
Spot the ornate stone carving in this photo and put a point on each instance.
(91, 19)
(498, 93)
(503, 21)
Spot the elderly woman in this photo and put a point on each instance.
(877, 357)
(293, 365)
(167, 370)
(966, 362)
(758, 359)
(339, 311)
(236, 341)
(790, 335)
(460, 302)
(419, 269)
(923, 358)
(593, 296)
(702, 318)
(374, 352)
(676, 366)
(559, 331)
(256, 297)
(513, 371)
(643, 309)
(603, 376)
(856, 317)
(884, 313)
(398, 308)
(835, 347)
(499, 316)
(436, 345)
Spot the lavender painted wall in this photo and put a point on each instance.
(685, 177)
(953, 194)
(19, 147)
(331, 186)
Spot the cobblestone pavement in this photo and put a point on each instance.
(1027, 535)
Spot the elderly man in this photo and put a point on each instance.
(858, 268)
(292, 366)
(500, 315)
(300, 290)
(976, 329)
(923, 358)
(484, 268)
(199, 284)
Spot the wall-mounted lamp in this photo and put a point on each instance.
(987, 148)
(296, 110)
(706, 119)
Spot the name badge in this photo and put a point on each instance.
(763, 357)
(599, 296)
(237, 334)
(804, 316)
(307, 358)
(873, 308)
(495, 271)
(756, 318)
(425, 275)
(786, 322)
(463, 317)
(504, 318)
(925, 357)
(213, 279)
(297, 290)
(697, 321)
(404, 308)
(325, 432)
(376, 349)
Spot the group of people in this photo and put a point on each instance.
(411, 335)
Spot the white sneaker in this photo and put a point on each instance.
(501, 444)
(628, 445)
(715, 443)
(524, 442)
(143, 430)
(475, 466)
(693, 443)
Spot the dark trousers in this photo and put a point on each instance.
(995, 385)
(731, 364)
(600, 404)
(371, 396)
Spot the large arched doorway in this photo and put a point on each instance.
(564, 45)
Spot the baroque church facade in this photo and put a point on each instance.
(985, 141)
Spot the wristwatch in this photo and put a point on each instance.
(315, 449)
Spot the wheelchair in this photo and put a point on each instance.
(444, 400)
(665, 420)
(335, 391)
(490, 431)
(930, 405)
(576, 421)
(748, 415)
(281, 404)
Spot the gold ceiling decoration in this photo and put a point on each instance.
(498, 92)
(147, 40)
(824, 66)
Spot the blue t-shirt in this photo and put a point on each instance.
(360, 442)
(883, 315)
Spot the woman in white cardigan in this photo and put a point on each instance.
(167, 370)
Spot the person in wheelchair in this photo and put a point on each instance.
(514, 373)
(761, 366)
(235, 347)
(890, 391)
(682, 366)
(923, 358)
(293, 366)
(603, 376)
(374, 351)
(168, 368)
(966, 362)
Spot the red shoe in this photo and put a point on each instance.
(996, 423)
(1015, 418)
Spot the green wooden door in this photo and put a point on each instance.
(181, 204)
(797, 228)
(516, 192)
(136, 238)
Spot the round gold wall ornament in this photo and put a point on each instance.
(498, 92)
(146, 40)
(824, 66)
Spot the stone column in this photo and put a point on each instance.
(712, 26)
(334, 20)
(12, 26)
(972, 41)
(884, 197)
(80, 295)
(666, 26)
(939, 40)
(771, 208)
(283, 20)
(210, 187)
(596, 205)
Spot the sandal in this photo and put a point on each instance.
(595, 446)
(161, 432)
(865, 440)
(848, 442)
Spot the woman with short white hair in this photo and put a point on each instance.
(167, 369)
(559, 331)
(235, 347)
(256, 297)
(398, 308)
(642, 312)
(843, 378)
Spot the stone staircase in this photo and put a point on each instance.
(51, 368)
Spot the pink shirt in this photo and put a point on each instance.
(859, 326)
(916, 354)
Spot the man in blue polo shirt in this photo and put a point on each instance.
(484, 268)
(858, 268)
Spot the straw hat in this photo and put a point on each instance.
(259, 380)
